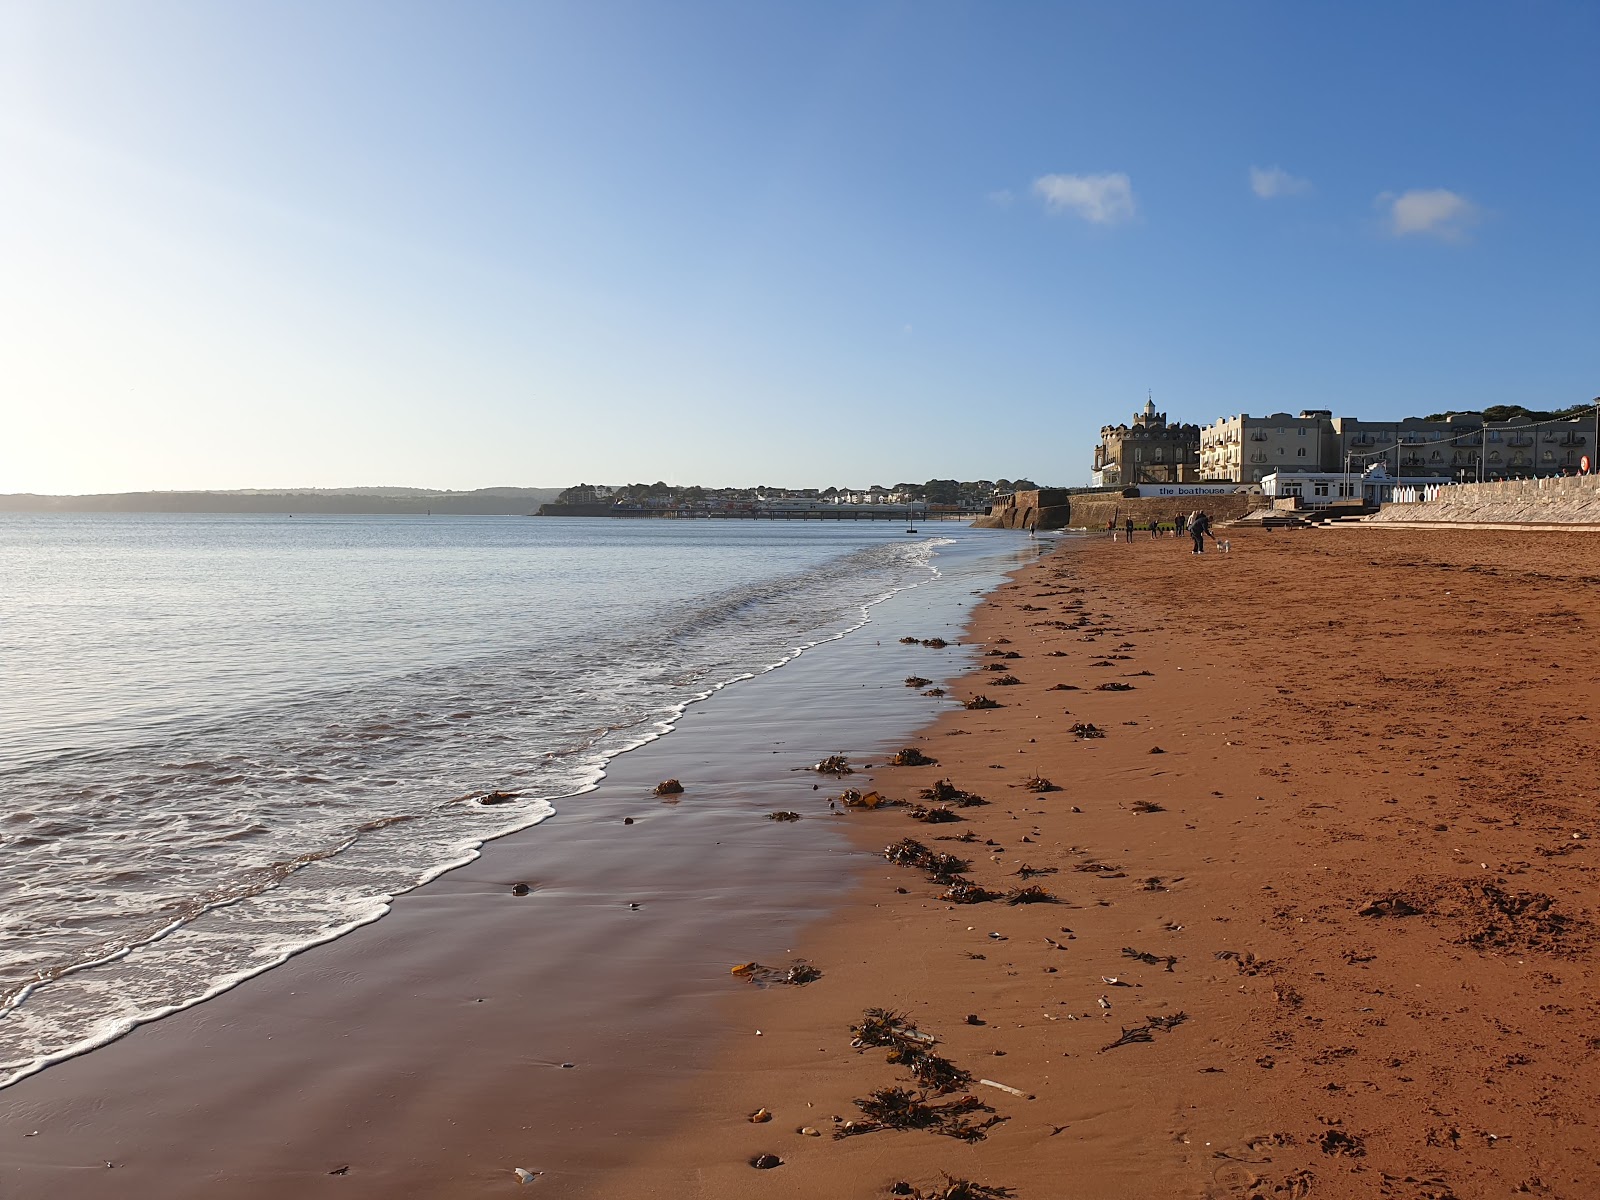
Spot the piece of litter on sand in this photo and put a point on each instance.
(526, 1176)
(1005, 1088)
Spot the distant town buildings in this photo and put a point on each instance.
(1148, 451)
(1461, 446)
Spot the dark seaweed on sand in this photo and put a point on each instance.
(909, 1047)
(981, 701)
(1032, 894)
(1144, 956)
(1085, 730)
(796, 974)
(902, 1108)
(783, 816)
(932, 816)
(912, 757)
(963, 891)
(917, 681)
(834, 764)
(908, 852)
(952, 1189)
(943, 792)
(1038, 783)
(1145, 1032)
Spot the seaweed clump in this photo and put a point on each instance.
(668, 787)
(1032, 894)
(981, 701)
(936, 815)
(941, 868)
(910, 1048)
(1006, 681)
(1038, 783)
(912, 757)
(964, 891)
(952, 1189)
(917, 681)
(834, 764)
(1085, 730)
(783, 815)
(1146, 1032)
(796, 974)
(852, 798)
(943, 792)
(902, 1108)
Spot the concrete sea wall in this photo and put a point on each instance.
(1569, 500)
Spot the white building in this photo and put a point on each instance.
(1318, 489)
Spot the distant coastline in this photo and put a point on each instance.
(502, 501)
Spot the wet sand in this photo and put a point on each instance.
(1359, 870)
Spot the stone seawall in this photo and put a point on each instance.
(1045, 508)
(1572, 500)
(1057, 508)
(1092, 512)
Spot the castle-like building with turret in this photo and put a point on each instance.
(1148, 451)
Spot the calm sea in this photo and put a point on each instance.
(224, 739)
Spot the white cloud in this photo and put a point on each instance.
(1101, 199)
(1435, 211)
(1270, 182)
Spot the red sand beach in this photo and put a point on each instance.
(1361, 876)
(1335, 939)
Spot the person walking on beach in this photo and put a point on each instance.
(1199, 527)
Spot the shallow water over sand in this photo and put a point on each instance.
(223, 739)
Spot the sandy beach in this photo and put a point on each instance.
(1324, 909)
(1312, 822)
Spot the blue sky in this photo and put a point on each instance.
(482, 244)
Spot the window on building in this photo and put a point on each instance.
(1301, 452)
(1320, 489)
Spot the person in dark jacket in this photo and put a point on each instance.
(1199, 529)
(1177, 525)
(1128, 526)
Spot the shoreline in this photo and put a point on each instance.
(424, 1054)
(1378, 949)
(380, 906)
(1355, 870)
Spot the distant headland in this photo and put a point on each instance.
(400, 501)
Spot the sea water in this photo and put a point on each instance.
(224, 739)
